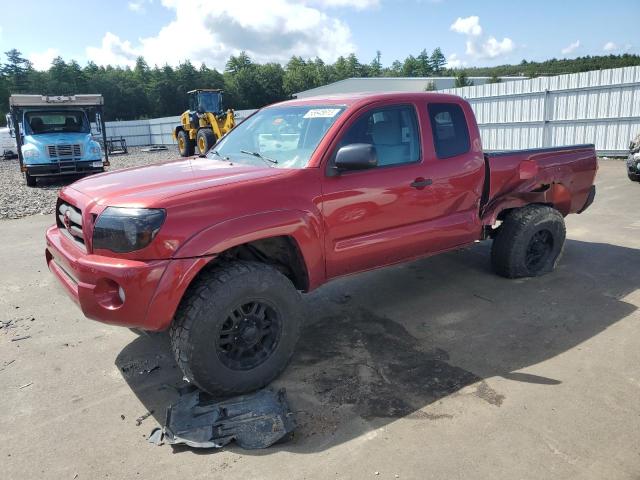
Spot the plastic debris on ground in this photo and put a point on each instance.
(155, 148)
(257, 420)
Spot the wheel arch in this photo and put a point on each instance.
(287, 237)
(555, 195)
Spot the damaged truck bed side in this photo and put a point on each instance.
(217, 249)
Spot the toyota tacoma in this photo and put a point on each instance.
(218, 248)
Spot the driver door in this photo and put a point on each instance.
(377, 216)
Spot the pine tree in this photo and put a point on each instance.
(376, 65)
(462, 80)
(438, 61)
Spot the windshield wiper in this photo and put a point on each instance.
(215, 152)
(267, 160)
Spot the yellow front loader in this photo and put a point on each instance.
(204, 123)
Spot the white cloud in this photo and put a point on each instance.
(42, 60)
(610, 47)
(477, 46)
(114, 51)
(455, 62)
(572, 47)
(491, 48)
(357, 4)
(135, 6)
(468, 26)
(138, 6)
(272, 30)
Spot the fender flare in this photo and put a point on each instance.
(177, 130)
(556, 195)
(304, 228)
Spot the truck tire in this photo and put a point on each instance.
(206, 139)
(186, 146)
(30, 179)
(529, 242)
(633, 177)
(237, 327)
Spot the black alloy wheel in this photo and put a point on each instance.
(249, 335)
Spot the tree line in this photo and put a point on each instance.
(160, 91)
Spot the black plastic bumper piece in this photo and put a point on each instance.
(590, 198)
(68, 168)
(255, 420)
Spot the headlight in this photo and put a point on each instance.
(31, 154)
(123, 230)
(95, 149)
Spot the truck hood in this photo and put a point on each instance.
(147, 186)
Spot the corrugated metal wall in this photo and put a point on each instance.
(600, 107)
(155, 131)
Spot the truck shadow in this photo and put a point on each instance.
(389, 343)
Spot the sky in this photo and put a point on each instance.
(470, 33)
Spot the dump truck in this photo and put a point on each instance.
(204, 123)
(53, 135)
(217, 249)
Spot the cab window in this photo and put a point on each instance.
(393, 131)
(449, 128)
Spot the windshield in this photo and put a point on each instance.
(280, 136)
(56, 122)
(205, 102)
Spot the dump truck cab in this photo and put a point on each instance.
(53, 135)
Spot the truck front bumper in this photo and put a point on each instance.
(131, 293)
(65, 168)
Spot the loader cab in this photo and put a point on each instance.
(202, 101)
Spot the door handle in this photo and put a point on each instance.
(420, 183)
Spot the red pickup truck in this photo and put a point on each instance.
(217, 249)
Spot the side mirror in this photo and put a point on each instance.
(12, 130)
(357, 156)
(98, 122)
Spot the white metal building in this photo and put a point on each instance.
(391, 84)
(600, 107)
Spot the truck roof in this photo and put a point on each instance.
(349, 99)
(83, 100)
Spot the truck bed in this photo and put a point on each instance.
(557, 171)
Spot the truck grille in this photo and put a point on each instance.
(69, 220)
(63, 152)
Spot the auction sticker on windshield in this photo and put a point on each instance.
(322, 113)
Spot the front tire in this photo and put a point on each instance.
(186, 146)
(206, 139)
(236, 329)
(529, 242)
(30, 179)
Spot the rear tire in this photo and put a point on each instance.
(206, 139)
(30, 179)
(529, 242)
(186, 146)
(237, 327)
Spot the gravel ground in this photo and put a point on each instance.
(435, 369)
(17, 200)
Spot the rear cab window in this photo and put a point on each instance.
(449, 129)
